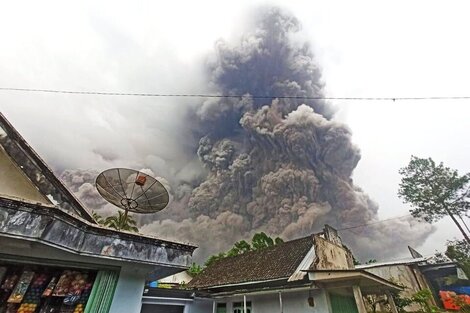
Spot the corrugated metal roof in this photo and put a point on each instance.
(395, 262)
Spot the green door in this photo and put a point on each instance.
(343, 304)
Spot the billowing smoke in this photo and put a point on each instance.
(279, 165)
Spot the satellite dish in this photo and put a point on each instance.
(132, 191)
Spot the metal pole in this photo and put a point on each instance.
(213, 307)
(391, 302)
(244, 304)
(281, 309)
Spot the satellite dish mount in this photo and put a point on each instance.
(132, 191)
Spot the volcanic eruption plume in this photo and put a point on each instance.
(280, 165)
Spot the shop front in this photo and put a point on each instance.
(54, 257)
(28, 288)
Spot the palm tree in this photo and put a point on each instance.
(98, 218)
(121, 222)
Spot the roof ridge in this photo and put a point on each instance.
(274, 262)
(53, 179)
(274, 246)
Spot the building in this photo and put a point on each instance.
(405, 272)
(417, 273)
(54, 257)
(309, 274)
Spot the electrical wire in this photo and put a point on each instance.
(103, 93)
(373, 223)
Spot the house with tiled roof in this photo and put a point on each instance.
(309, 274)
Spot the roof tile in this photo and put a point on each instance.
(279, 261)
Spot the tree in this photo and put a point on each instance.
(239, 247)
(214, 258)
(121, 222)
(98, 218)
(459, 251)
(435, 191)
(195, 269)
(258, 242)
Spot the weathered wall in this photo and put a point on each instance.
(330, 256)
(399, 274)
(14, 183)
(179, 278)
(51, 226)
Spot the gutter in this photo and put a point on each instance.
(262, 292)
(244, 283)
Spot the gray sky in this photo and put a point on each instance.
(365, 48)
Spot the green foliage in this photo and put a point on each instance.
(278, 240)
(195, 269)
(433, 190)
(401, 302)
(259, 241)
(118, 222)
(121, 222)
(371, 261)
(239, 247)
(423, 298)
(459, 251)
(98, 218)
(438, 257)
(214, 258)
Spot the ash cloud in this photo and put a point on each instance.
(282, 166)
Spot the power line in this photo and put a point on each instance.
(183, 95)
(373, 223)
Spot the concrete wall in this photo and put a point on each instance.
(331, 256)
(14, 183)
(129, 290)
(400, 274)
(293, 302)
(179, 278)
(200, 306)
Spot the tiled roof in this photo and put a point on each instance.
(279, 261)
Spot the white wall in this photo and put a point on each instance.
(293, 302)
(200, 306)
(129, 290)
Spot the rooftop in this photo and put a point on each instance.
(393, 262)
(277, 262)
(60, 221)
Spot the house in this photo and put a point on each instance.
(417, 273)
(54, 256)
(404, 272)
(176, 280)
(310, 274)
(156, 300)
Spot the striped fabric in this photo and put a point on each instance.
(102, 292)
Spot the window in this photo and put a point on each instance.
(238, 307)
(221, 307)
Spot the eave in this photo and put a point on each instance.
(56, 228)
(343, 278)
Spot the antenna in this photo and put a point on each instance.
(132, 191)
